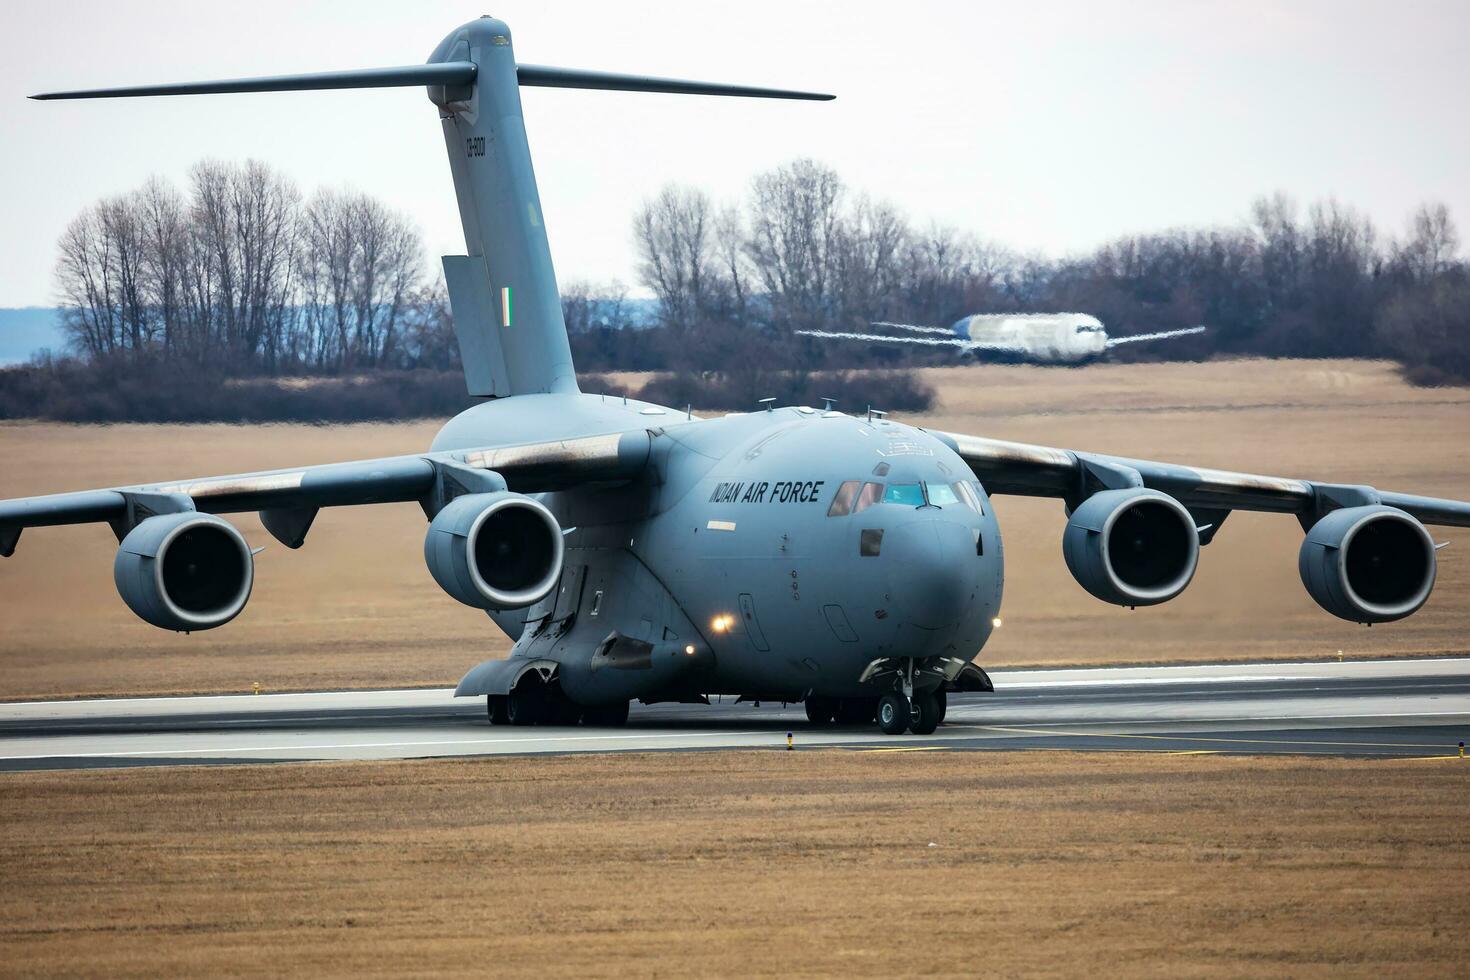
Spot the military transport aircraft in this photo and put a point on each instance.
(845, 560)
(1044, 338)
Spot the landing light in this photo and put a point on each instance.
(689, 650)
(995, 622)
(722, 623)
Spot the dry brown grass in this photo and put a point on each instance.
(741, 863)
(356, 607)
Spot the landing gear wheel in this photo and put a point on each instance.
(925, 714)
(613, 715)
(821, 711)
(941, 699)
(894, 714)
(525, 705)
(495, 707)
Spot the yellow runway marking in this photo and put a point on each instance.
(1195, 752)
(1429, 758)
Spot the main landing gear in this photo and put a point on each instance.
(540, 704)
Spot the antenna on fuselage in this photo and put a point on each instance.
(507, 309)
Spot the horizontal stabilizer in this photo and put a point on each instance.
(445, 73)
(457, 73)
(547, 77)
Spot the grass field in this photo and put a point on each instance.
(881, 864)
(356, 607)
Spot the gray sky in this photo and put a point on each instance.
(1046, 126)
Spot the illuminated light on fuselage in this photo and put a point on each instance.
(689, 650)
(995, 622)
(722, 623)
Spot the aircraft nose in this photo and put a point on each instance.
(931, 571)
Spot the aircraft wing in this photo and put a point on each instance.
(967, 346)
(289, 499)
(1042, 471)
(914, 328)
(1164, 335)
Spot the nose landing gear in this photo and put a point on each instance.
(916, 699)
(894, 713)
(897, 714)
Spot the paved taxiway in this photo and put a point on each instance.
(1403, 708)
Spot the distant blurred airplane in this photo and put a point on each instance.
(1048, 338)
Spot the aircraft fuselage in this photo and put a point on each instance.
(1068, 338)
(772, 554)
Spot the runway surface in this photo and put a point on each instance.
(1407, 709)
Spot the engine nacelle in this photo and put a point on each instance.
(1369, 564)
(1132, 547)
(495, 551)
(185, 572)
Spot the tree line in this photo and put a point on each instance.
(238, 275)
(801, 250)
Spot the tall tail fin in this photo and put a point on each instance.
(507, 309)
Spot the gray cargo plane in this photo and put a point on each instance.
(634, 552)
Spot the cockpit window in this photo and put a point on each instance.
(869, 495)
(905, 493)
(842, 503)
(942, 495)
(971, 493)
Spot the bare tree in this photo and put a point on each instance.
(428, 329)
(732, 254)
(166, 243)
(867, 246)
(100, 275)
(1432, 245)
(245, 220)
(672, 234)
(794, 220)
(946, 275)
(83, 282)
(360, 265)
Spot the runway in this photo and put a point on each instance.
(1405, 709)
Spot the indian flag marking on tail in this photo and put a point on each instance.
(505, 306)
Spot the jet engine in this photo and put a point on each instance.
(1132, 547)
(186, 571)
(495, 551)
(1369, 564)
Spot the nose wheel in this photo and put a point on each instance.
(894, 714)
(898, 714)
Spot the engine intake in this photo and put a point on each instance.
(495, 551)
(185, 572)
(1132, 547)
(1371, 564)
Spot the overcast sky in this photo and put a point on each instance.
(1047, 126)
